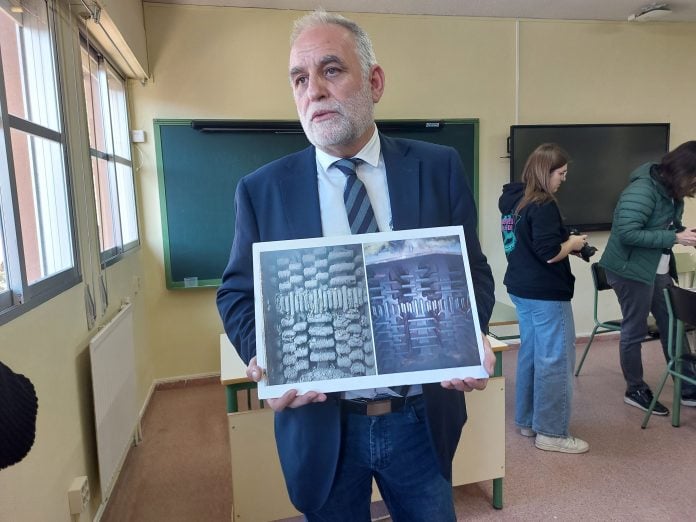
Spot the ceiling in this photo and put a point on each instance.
(618, 10)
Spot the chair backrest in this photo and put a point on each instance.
(686, 266)
(683, 303)
(599, 277)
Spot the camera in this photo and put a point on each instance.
(587, 250)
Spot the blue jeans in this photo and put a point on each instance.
(396, 450)
(545, 363)
(637, 300)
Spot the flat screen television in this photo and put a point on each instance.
(602, 157)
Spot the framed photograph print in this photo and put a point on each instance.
(365, 311)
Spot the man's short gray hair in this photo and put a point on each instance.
(317, 18)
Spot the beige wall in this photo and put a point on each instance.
(209, 62)
(212, 62)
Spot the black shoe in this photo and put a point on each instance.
(642, 399)
(689, 398)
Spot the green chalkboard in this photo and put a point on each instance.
(199, 163)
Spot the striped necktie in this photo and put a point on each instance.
(360, 215)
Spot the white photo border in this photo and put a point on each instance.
(266, 390)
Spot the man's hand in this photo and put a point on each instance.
(469, 384)
(289, 399)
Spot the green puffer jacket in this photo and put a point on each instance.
(645, 224)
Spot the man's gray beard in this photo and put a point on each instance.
(345, 130)
(332, 134)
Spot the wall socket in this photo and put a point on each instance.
(78, 495)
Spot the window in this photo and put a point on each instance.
(4, 288)
(37, 245)
(112, 169)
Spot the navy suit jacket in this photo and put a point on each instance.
(427, 188)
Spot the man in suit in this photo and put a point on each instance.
(332, 446)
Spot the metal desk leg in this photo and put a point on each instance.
(232, 389)
(231, 392)
(498, 493)
(498, 483)
(498, 368)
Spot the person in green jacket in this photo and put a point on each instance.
(639, 263)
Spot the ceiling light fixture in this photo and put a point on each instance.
(650, 13)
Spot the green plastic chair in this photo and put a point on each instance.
(681, 305)
(599, 278)
(686, 268)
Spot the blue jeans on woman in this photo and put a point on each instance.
(545, 363)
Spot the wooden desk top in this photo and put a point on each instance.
(498, 345)
(233, 369)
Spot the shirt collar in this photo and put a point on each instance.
(369, 153)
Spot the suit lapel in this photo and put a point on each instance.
(300, 193)
(403, 180)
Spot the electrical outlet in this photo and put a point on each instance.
(78, 495)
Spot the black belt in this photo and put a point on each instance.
(380, 405)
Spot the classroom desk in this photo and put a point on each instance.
(233, 375)
(258, 487)
(503, 315)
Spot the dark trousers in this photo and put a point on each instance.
(396, 450)
(637, 300)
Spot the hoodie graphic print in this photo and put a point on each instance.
(507, 227)
(512, 193)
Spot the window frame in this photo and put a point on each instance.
(104, 66)
(21, 295)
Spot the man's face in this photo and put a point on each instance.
(334, 102)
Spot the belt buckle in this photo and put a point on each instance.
(375, 408)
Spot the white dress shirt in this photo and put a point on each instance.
(373, 174)
(334, 218)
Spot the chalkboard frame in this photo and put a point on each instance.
(282, 126)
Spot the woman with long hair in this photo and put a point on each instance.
(541, 284)
(639, 262)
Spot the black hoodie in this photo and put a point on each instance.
(18, 407)
(531, 238)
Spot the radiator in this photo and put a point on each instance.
(115, 406)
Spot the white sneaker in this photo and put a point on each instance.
(527, 432)
(562, 444)
(689, 399)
